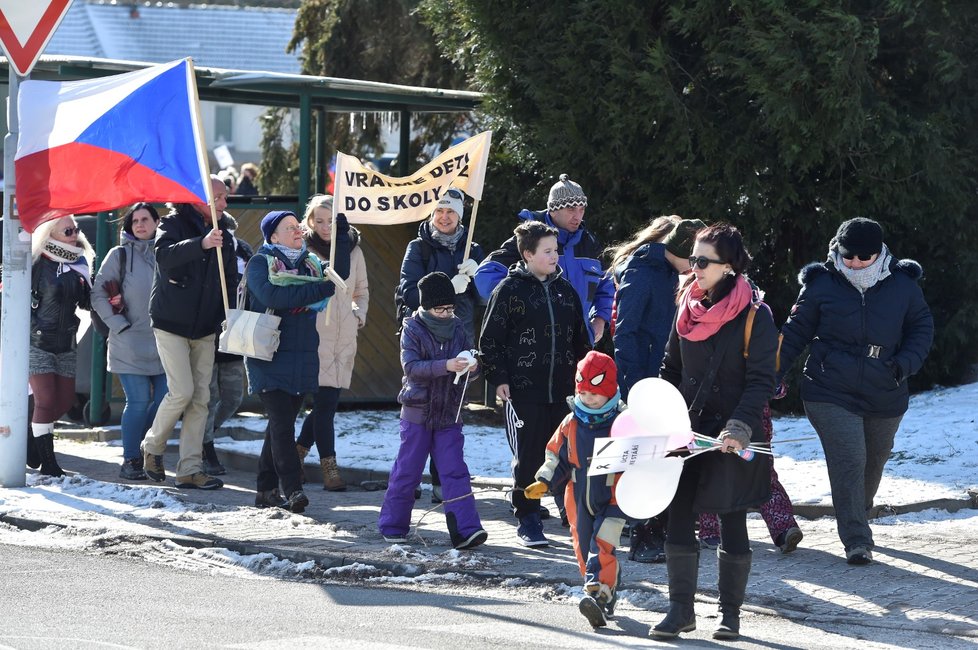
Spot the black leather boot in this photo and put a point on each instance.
(734, 569)
(682, 564)
(212, 464)
(33, 458)
(45, 449)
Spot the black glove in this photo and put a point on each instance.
(342, 225)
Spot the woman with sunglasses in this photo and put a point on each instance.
(121, 298)
(60, 284)
(864, 316)
(726, 393)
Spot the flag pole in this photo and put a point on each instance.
(206, 173)
(468, 240)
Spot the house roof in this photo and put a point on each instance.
(251, 38)
(333, 94)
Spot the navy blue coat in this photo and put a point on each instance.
(413, 268)
(295, 367)
(840, 324)
(646, 307)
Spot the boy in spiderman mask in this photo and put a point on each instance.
(595, 518)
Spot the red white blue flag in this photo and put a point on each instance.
(100, 144)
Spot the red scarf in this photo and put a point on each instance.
(697, 322)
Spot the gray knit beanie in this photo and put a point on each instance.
(564, 194)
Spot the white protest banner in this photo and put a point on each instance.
(369, 197)
(618, 454)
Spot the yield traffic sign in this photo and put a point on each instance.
(26, 26)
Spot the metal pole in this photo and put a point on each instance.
(305, 146)
(14, 316)
(402, 155)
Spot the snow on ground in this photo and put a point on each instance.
(935, 455)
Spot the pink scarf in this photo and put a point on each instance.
(697, 322)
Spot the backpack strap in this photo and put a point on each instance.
(749, 328)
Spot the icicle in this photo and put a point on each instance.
(353, 116)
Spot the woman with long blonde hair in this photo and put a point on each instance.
(61, 281)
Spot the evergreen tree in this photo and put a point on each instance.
(782, 118)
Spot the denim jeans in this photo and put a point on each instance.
(856, 450)
(143, 396)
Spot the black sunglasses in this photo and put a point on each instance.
(862, 258)
(455, 194)
(702, 261)
(71, 231)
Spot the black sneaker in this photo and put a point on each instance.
(592, 611)
(133, 471)
(477, 538)
(859, 556)
(297, 502)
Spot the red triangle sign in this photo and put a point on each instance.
(26, 28)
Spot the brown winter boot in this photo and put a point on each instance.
(303, 452)
(331, 475)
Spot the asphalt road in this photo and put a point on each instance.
(71, 599)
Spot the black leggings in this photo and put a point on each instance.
(681, 525)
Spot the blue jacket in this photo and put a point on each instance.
(579, 260)
(413, 268)
(295, 367)
(841, 324)
(646, 308)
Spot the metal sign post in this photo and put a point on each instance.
(14, 316)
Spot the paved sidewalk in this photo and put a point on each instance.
(920, 581)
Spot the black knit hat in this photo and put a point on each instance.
(436, 290)
(680, 241)
(859, 237)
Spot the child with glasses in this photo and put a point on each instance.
(437, 366)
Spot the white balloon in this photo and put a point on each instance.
(658, 407)
(646, 490)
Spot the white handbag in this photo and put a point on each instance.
(250, 333)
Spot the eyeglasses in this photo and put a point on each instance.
(455, 194)
(292, 228)
(443, 311)
(71, 231)
(702, 261)
(862, 258)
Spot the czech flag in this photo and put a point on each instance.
(100, 144)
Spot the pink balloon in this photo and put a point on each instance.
(625, 426)
(677, 440)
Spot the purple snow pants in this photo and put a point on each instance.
(445, 448)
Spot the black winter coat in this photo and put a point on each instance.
(739, 391)
(533, 335)
(186, 298)
(841, 324)
(53, 303)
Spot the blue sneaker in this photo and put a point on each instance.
(530, 531)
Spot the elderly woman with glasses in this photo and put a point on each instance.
(287, 278)
(864, 316)
(60, 284)
(440, 247)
